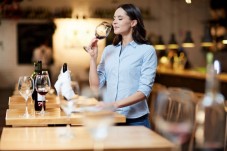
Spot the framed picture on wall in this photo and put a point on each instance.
(33, 37)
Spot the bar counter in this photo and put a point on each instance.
(190, 79)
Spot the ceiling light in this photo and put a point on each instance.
(188, 42)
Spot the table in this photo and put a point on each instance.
(120, 138)
(17, 101)
(53, 116)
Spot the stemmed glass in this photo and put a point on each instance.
(101, 31)
(42, 85)
(26, 88)
(68, 106)
(174, 112)
(75, 87)
(98, 119)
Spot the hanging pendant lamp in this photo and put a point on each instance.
(172, 42)
(224, 41)
(160, 44)
(207, 40)
(188, 42)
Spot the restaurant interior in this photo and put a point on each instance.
(188, 36)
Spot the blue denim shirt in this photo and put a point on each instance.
(126, 71)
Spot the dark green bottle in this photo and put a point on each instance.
(37, 70)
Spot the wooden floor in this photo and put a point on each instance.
(4, 95)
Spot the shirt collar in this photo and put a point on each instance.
(132, 43)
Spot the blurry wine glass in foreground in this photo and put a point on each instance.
(101, 31)
(26, 88)
(174, 115)
(98, 119)
(42, 85)
(75, 87)
(68, 106)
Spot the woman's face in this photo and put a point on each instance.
(122, 24)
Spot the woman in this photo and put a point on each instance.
(127, 67)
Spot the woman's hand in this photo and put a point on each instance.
(107, 105)
(93, 49)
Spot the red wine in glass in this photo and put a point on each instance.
(101, 32)
(42, 85)
(42, 92)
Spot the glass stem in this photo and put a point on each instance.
(26, 107)
(68, 121)
(68, 130)
(178, 147)
(42, 106)
(42, 110)
(98, 145)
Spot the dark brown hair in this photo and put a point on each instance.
(139, 32)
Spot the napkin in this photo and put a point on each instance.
(63, 85)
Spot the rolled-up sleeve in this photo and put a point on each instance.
(148, 72)
(101, 71)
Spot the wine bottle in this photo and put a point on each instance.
(39, 99)
(64, 67)
(37, 69)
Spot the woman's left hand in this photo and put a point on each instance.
(107, 105)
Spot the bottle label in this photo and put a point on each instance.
(41, 97)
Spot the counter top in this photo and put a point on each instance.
(189, 73)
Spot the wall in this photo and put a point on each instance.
(162, 22)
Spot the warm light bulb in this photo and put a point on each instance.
(224, 41)
(188, 1)
(160, 47)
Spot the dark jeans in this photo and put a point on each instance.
(140, 121)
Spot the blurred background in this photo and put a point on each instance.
(65, 26)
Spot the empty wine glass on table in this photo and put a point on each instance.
(26, 88)
(42, 86)
(101, 31)
(68, 106)
(98, 119)
(75, 87)
(174, 112)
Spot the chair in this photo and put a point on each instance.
(151, 100)
(177, 102)
(179, 108)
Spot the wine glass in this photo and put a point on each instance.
(26, 88)
(98, 119)
(42, 85)
(68, 106)
(101, 31)
(75, 87)
(174, 112)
